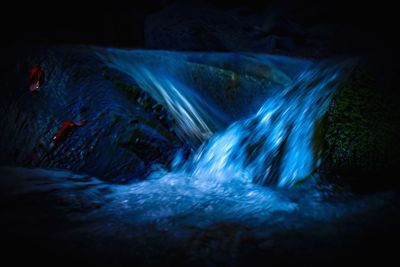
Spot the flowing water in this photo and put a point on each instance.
(272, 147)
(235, 174)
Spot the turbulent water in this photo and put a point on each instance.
(232, 175)
(275, 146)
(205, 92)
(272, 147)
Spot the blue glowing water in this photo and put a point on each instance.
(272, 147)
(239, 173)
(206, 92)
(275, 146)
(220, 181)
(190, 111)
(196, 117)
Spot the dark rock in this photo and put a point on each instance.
(361, 134)
(273, 42)
(76, 89)
(184, 26)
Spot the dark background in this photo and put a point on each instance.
(365, 29)
(122, 24)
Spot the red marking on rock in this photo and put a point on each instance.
(36, 78)
(66, 128)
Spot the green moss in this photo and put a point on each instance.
(361, 129)
(306, 179)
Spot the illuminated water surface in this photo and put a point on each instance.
(236, 173)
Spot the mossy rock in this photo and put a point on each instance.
(361, 129)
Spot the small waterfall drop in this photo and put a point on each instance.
(274, 146)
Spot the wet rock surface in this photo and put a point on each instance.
(76, 90)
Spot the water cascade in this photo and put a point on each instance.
(272, 147)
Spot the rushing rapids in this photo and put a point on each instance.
(272, 147)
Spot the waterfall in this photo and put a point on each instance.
(196, 118)
(191, 112)
(274, 146)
